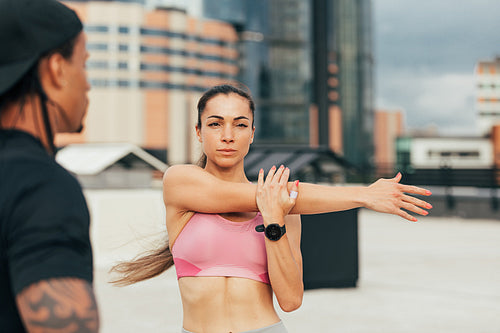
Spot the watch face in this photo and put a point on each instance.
(273, 232)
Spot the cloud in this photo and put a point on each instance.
(425, 53)
(441, 35)
(446, 100)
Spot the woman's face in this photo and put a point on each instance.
(226, 130)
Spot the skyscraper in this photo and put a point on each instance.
(148, 67)
(274, 63)
(343, 83)
(309, 65)
(487, 75)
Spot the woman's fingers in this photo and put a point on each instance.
(410, 188)
(277, 177)
(278, 174)
(415, 190)
(273, 198)
(294, 191)
(270, 175)
(397, 178)
(412, 208)
(416, 202)
(411, 204)
(407, 216)
(389, 196)
(260, 181)
(284, 177)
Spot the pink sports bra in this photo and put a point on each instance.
(210, 245)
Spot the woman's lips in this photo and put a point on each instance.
(226, 151)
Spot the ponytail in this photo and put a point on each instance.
(202, 162)
(144, 267)
(149, 264)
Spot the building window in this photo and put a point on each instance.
(453, 154)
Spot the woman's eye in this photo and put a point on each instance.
(213, 124)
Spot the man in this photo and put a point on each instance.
(45, 251)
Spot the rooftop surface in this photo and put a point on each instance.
(438, 275)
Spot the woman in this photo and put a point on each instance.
(234, 243)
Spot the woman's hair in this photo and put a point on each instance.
(156, 261)
(225, 89)
(143, 267)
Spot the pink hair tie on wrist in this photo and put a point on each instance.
(294, 194)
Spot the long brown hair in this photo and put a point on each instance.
(157, 261)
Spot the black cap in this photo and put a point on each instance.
(29, 29)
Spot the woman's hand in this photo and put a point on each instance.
(273, 200)
(389, 196)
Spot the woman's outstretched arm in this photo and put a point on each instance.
(191, 188)
(385, 196)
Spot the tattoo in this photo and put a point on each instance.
(59, 306)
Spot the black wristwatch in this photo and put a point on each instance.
(273, 231)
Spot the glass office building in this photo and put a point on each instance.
(350, 47)
(309, 66)
(274, 63)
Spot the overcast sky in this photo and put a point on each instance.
(425, 53)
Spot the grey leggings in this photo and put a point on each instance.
(275, 328)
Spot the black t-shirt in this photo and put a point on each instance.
(44, 222)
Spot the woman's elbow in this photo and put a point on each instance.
(291, 304)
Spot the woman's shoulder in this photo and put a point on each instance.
(180, 171)
(183, 180)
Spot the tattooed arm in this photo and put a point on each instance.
(60, 305)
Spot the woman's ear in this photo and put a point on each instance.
(198, 133)
(253, 133)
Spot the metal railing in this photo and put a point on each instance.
(449, 178)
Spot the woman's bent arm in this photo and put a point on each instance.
(284, 259)
(191, 188)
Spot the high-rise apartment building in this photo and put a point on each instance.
(388, 127)
(487, 74)
(148, 67)
(309, 65)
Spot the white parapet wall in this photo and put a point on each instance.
(457, 153)
(125, 223)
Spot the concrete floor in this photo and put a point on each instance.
(439, 275)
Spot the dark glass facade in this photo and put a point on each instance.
(298, 53)
(274, 63)
(350, 48)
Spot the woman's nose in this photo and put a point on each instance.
(227, 134)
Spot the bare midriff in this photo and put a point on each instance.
(226, 304)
